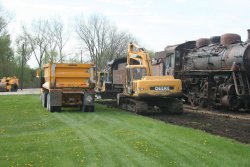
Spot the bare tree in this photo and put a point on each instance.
(118, 43)
(37, 37)
(94, 34)
(60, 35)
(5, 19)
(3, 24)
(51, 54)
(102, 40)
(57, 40)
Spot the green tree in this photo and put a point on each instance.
(6, 52)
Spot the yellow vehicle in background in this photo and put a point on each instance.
(144, 92)
(9, 84)
(102, 80)
(103, 85)
(110, 81)
(65, 85)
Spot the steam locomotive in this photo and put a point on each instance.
(215, 71)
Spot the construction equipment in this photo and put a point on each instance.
(9, 84)
(110, 81)
(144, 92)
(102, 83)
(65, 85)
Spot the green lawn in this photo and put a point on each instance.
(30, 136)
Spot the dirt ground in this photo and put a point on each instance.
(238, 129)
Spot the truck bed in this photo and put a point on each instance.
(67, 75)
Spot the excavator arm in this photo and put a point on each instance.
(138, 56)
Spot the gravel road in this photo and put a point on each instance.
(22, 92)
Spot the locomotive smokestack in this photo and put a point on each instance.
(248, 33)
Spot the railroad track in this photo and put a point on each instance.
(222, 113)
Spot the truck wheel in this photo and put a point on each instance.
(91, 108)
(58, 108)
(88, 108)
(44, 99)
(41, 98)
(85, 108)
(49, 107)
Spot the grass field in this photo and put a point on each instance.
(30, 136)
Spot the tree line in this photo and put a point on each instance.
(45, 41)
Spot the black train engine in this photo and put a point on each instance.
(215, 72)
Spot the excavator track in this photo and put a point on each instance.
(133, 105)
(150, 105)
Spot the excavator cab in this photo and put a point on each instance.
(134, 73)
(138, 73)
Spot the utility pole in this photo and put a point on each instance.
(96, 67)
(22, 67)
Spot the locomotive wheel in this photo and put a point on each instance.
(234, 102)
(203, 102)
(192, 99)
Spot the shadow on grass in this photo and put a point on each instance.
(78, 110)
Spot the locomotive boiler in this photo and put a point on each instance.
(215, 71)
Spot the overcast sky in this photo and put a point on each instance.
(156, 23)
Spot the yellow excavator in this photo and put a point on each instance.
(145, 93)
